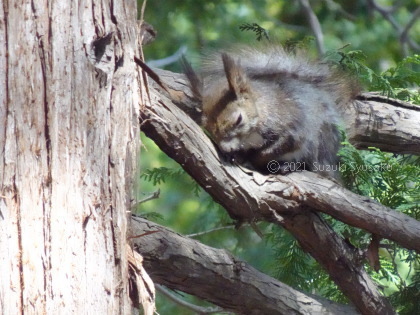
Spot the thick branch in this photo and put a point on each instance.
(388, 124)
(251, 196)
(402, 32)
(353, 209)
(184, 264)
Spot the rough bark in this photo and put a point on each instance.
(290, 201)
(388, 124)
(215, 275)
(69, 106)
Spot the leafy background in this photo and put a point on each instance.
(357, 37)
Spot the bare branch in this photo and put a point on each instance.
(184, 264)
(195, 308)
(386, 13)
(211, 230)
(175, 57)
(402, 33)
(334, 6)
(350, 208)
(315, 25)
(152, 196)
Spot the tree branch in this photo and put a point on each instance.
(315, 25)
(386, 13)
(184, 264)
(336, 7)
(374, 120)
(321, 194)
(388, 124)
(198, 309)
(175, 57)
(404, 33)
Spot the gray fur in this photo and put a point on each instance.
(261, 105)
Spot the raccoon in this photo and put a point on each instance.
(275, 110)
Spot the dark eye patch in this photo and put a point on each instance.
(239, 120)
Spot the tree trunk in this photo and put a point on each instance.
(69, 130)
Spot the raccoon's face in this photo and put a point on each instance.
(235, 127)
(229, 106)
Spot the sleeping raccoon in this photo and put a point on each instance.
(279, 112)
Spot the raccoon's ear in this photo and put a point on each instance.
(236, 77)
(196, 83)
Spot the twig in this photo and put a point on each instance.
(211, 230)
(315, 25)
(143, 75)
(195, 308)
(152, 196)
(402, 33)
(168, 60)
(334, 6)
(397, 5)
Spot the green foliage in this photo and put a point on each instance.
(406, 295)
(258, 30)
(393, 82)
(392, 180)
(293, 266)
(161, 174)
